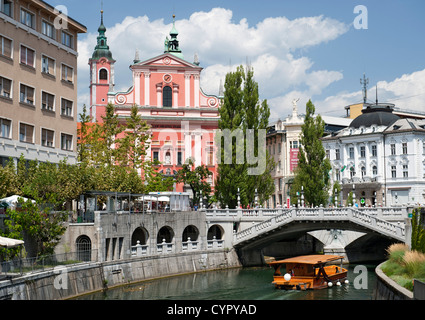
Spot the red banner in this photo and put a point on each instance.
(293, 158)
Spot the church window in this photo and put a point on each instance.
(103, 74)
(167, 97)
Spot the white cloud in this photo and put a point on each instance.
(406, 92)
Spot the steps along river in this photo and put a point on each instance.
(236, 284)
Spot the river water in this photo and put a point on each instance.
(238, 284)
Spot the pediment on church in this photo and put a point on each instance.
(167, 60)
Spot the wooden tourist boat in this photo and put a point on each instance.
(308, 272)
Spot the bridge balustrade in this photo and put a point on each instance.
(362, 217)
(215, 243)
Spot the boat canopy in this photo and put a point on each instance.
(310, 259)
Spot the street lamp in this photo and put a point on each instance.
(354, 195)
(239, 199)
(302, 196)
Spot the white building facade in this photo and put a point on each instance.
(380, 157)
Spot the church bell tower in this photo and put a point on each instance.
(101, 74)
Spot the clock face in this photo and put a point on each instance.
(167, 78)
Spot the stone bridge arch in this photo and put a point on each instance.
(292, 224)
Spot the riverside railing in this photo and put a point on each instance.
(20, 266)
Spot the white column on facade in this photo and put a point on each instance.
(175, 96)
(137, 87)
(112, 78)
(187, 90)
(158, 95)
(147, 88)
(196, 88)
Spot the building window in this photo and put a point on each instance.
(338, 176)
(404, 147)
(27, 56)
(210, 158)
(26, 133)
(363, 171)
(47, 101)
(27, 18)
(393, 172)
(294, 144)
(5, 47)
(374, 151)
(6, 7)
(5, 128)
(47, 138)
(67, 39)
(337, 154)
(103, 74)
(179, 158)
(351, 152)
(405, 171)
(156, 156)
(352, 172)
(66, 142)
(67, 73)
(47, 65)
(362, 151)
(27, 94)
(167, 97)
(66, 107)
(393, 149)
(47, 29)
(5, 87)
(375, 170)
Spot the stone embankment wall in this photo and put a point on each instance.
(69, 281)
(387, 289)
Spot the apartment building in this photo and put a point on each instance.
(38, 82)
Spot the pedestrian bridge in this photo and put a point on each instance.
(257, 229)
(389, 223)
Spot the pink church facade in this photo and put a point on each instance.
(167, 90)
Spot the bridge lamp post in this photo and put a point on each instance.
(256, 198)
(239, 199)
(302, 196)
(383, 199)
(354, 195)
(375, 200)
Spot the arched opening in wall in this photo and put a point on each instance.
(191, 232)
(140, 234)
(83, 244)
(103, 74)
(167, 96)
(215, 231)
(165, 233)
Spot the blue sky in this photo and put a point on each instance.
(299, 49)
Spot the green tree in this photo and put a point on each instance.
(418, 231)
(196, 177)
(134, 143)
(336, 189)
(41, 229)
(243, 115)
(83, 131)
(8, 179)
(313, 167)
